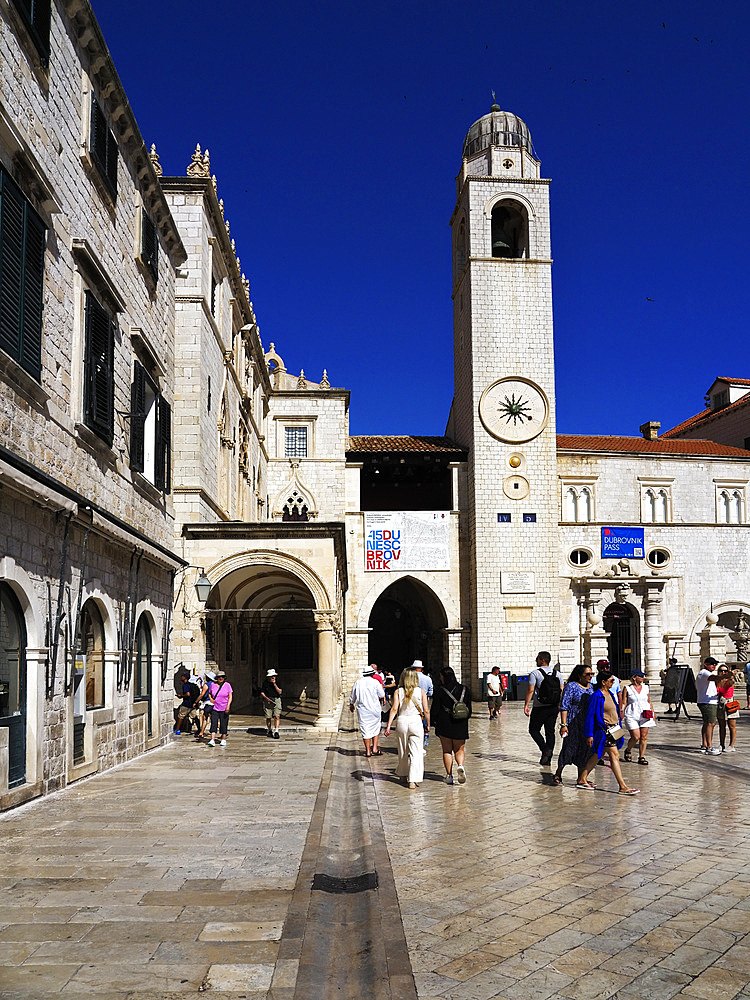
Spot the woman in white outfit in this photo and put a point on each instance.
(411, 706)
(368, 695)
(637, 714)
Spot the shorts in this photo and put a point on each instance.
(494, 700)
(183, 712)
(709, 713)
(272, 710)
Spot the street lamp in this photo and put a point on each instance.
(202, 587)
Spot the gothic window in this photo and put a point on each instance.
(730, 504)
(510, 230)
(295, 508)
(295, 442)
(578, 504)
(22, 244)
(655, 505)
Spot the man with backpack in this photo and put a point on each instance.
(545, 687)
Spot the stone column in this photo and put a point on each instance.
(653, 645)
(595, 638)
(325, 720)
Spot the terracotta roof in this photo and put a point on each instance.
(639, 445)
(734, 381)
(706, 416)
(401, 443)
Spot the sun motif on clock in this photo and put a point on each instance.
(514, 409)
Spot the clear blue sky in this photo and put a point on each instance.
(335, 131)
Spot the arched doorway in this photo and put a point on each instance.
(13, 683)
(407, 623)
(88, 679)
(258, 618)
(142, 668)
(622, 625)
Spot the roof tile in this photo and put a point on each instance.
(401, 443)
(639, 445)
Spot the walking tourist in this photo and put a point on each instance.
(368, 696)
(604, 733)
(494, 693)
(575, 699)
(728, 710)
(451, 711)
(188, 694)
(637, 714)
(411, 707)
(708, 702)
(221, 695)
(205, 704)
(545, 687)
(270, 694)
(425, 682)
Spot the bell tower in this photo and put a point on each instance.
(504, 403)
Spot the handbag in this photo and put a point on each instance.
(614, 734)
(647, 714)
(732, 708)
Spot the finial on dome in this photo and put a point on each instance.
(495, 105)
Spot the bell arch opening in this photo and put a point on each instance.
(622, 624)
(510, 230)
(407, 623)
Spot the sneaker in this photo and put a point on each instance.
(426, 742)
(449, 779)
(702, 750)
(461, 773)
(730, 749)
(276, 735)
(223, 743)
(212, 743)
(715, 751)
(176, 732)
(269, 734)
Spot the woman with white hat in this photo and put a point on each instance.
(368, 697)
(270, 695)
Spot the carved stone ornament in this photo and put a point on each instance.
(154, 157)
(295, 499)
(199, 165)
(302, 381)
(324, 383)
(622, 593)
(742, 640)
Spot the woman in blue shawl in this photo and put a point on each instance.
(602, 713)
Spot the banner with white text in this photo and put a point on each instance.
(407, 541)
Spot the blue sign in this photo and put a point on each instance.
(618, 543)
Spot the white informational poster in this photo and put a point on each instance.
(407, 541)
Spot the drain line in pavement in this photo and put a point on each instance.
(344, 925)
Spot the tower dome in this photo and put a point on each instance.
(498, 128)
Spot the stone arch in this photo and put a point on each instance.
(382, 584)
(622, 622)
(22, 586)
(94, 591)
(720, 609)
(279, 560)
(408, 621)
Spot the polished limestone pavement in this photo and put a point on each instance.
(189, 873)
(513, 888)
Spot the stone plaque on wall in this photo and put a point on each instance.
(516, 583)
(518, 614)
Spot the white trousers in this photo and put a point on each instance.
(410, 733)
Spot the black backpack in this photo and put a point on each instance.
(549, 690)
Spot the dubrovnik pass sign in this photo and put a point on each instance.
(622, 543)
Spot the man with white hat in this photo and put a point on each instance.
(368, 697)
(270, 695)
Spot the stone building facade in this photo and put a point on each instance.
(149, 440)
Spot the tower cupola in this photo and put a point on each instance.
(498, 145)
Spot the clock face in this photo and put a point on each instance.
(514, 409)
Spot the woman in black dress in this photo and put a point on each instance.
(452, 733)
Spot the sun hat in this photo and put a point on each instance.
(417, 665)
(368, 671)
(271, 673)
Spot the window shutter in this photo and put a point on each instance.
(149, 245)
(36, 15)
(99, 402)
(22, 243)
(137, 417)
(33, 295)
(103, 147)
(11, 266)
(163, 468)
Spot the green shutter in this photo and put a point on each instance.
(36, 16)
(137, 417)
(33, 295)
(103, 147)
(99, 362)
(149, 245)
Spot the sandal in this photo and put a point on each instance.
(586, 786)
(627, 757)
(557, 779)
(378, 753)
(642, 760)
(629, 791)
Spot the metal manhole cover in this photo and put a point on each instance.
(355, 883)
